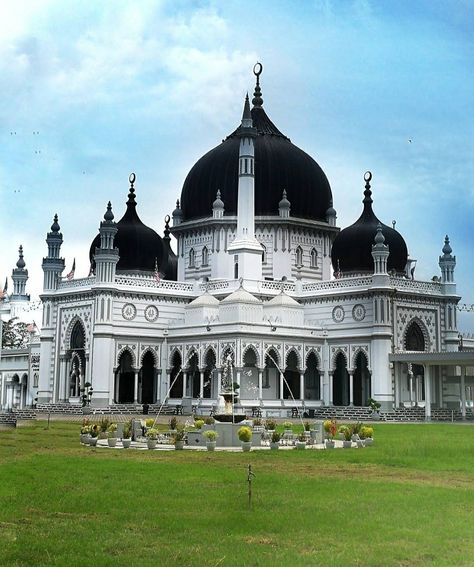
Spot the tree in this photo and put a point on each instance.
(15, 334)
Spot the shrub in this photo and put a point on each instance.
(211, 435)
(374, 405)
(86, 426)
(152, 433)
(112, 430)
(149, 422)
(307, 426)
(330, 426)
(173, 423)
(327, 425)
(287, 425)
(356, 427)
(270, 424)
(198, 423)
(302, 437)
(366, 431)
(348, 432)
(276, 437)
(257, 421)
(94, 430)
(209, 420)
(104, 424)
(180, 435)
(245, 434)
(127, 430)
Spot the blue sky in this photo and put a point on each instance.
(90, 91)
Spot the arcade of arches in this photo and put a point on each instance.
(136, 385)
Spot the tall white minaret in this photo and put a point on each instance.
(245, 250)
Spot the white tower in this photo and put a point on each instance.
(245, 249)
(106, 257)
(53, 265)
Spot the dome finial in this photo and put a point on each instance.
(131, 196)
(21, 262)
(367, 193)
(109, 215)
(257, 95)
(447, 247)
(167, 227)
(247, 116)
(55, 226)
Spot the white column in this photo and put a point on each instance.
(321, 386)
(281, 386)
(219, 382)
(260, 384)
(116, 389)
(351, 387)
(417, 389)
(185, 382)
(463, 392)
(302, 386)
(427, 393)
(331, 378)
(410, 376)
(201, 384)
(135, 387)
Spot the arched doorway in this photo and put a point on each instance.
(147, 379)
(209, 372)
(312, 379)
(361, 381)
(291, 384)
(249, 378)
(340, 385)
(271, 377)
(77, 360)
(415, 340)
(176, 376)
(126, 378)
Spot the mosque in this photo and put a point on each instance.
(310, 316)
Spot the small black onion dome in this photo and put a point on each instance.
(21, 262)
(139, 246)
(279, 165)
(169, 268)
(55, 226)
(352, 248)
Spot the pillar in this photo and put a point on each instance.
(331, 378)
(427, 392)
(185, 382)
(219, 382)
(135, 386)
(351, 387)
(410, 376)
(281, 385)
(201, 384)
(463, 392)
(260, 384)
(302, 386)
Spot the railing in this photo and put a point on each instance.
(416, 285)
(80, 282)
(337, 284)
(143, 281)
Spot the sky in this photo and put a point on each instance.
(91, 91)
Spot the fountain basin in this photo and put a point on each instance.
(229, 418)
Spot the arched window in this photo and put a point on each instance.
(192, 259)
(299, 256)
(314, 258)
(264, 254)
(414, 339)
(205, 256)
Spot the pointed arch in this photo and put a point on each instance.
(205, 256)
(359, 351)
(298, 256)
(275, 355)
(148, 374)
(314, 258)
(416, 336)
(193, 355)
(336, 353)
(255, 351)
(172, 354)
(176, 373)
(125, 376)
(78, 331)
(312, 377)
(264, 253)
(361, 378)
(291, 384)
(130, 351)
(313, 351)
(210, 349)
(340, 394)
(153, 353)
(210, 374)
(225, 353)
(293, 351)
(271, 374)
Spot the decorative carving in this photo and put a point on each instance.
(129, 311)
(358, 312)
(338, 314)
(151, 313)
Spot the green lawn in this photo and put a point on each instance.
(408, 500)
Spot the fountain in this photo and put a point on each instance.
(225, 409)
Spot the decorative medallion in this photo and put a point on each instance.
(338, 314)
(151, 313)
(358, 312)
(129, 311)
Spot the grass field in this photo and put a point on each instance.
(408, 500)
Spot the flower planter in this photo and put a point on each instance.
(330, 444)
(112, 441)
(274, 446)
(210, 445)
(360, 443)
(102, 435)
(85, 438)
(346, 444)
(126, 443)
(300, 445)
(179, 445)
(151, 443)
(93, 441)
(246, 445)
(369, 441)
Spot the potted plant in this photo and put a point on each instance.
(127, 435)
(209, 420)
(245, 437)
(327, 427)
(85, 431)
(270, 425)
(94, 433)
(288, 427)
(374, 406)
(347, 433)
(332, 430)
(275, 440)
(151, 437)
(211, 435)
(366, 433)
(198, 423)
(356, 427)
(258, 425)
(179, 438)
(301, 441)
(104, 424)
(112, 435)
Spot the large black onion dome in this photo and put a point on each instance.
(352, 248)
(139, 246)
(279, 165)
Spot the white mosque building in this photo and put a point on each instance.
(311, 316)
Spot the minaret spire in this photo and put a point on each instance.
(245, 249)
(257, 100)
(20, 277)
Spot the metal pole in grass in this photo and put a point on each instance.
(250, 475)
